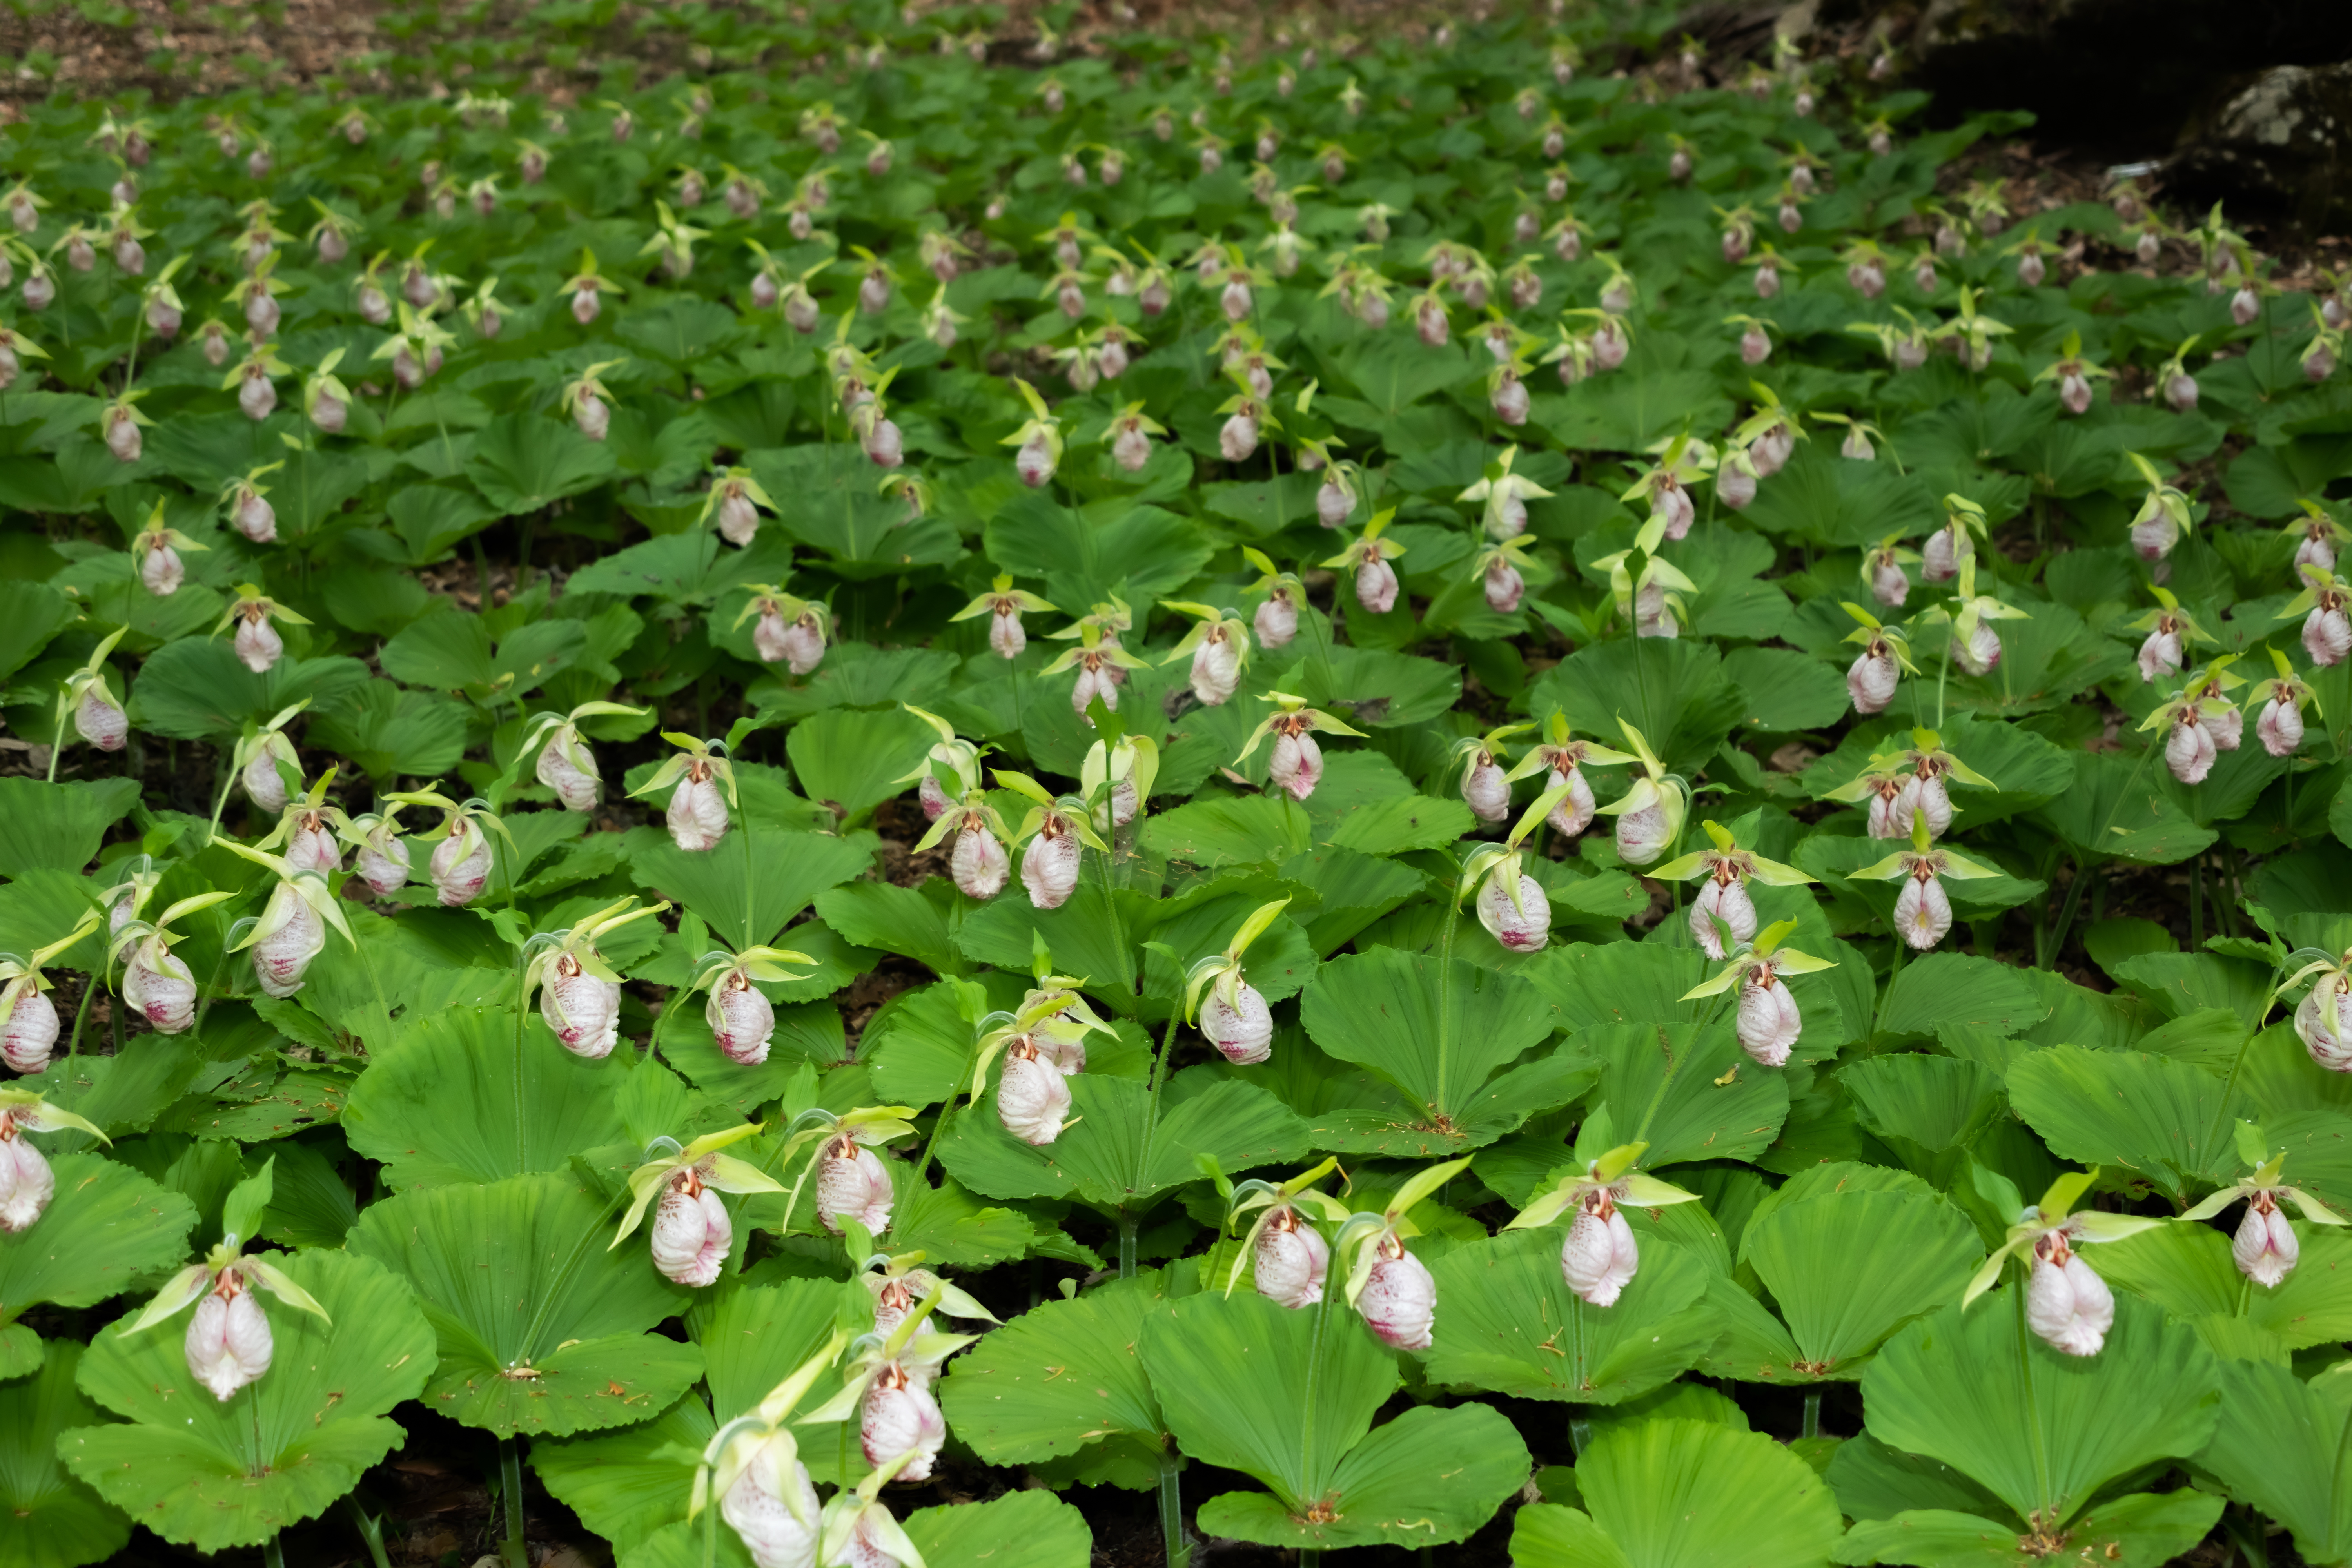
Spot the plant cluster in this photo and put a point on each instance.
(1515, 755)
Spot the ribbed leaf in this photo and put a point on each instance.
(1848, 1269)
(2163, 1120)
(1684, 1494)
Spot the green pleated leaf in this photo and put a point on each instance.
(2043, 1435)
(1019, 1530)
(49, 1519)
(619, 1483)
(1060, 1379)
(852, 760)
(452, 1102)
(1506, 1321)
(2279, 1444)
(214, 1474)
(1661, 1084)
(58, 825)
(1847, 1268)
(1684, 1494)
(541, 1326)
(2144, 1529)
(2187, 1269)
(106, 1228)
(746, 896)
(2163, 1120)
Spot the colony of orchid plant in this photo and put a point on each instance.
(955, 767)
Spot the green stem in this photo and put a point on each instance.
(2197, 903)
(510, 1484)
(1941, 676)
(1812, 1426)
(751, 891)
(205, 998)
(2057, 937)
(1127, 976)
(2045, 1504)
(370, 1530)
(1159, 1079)
(1127, 1226)
(1446, 989)
(522, 1155)
(73, 1047)
(273, 1554)
(1173, 1546)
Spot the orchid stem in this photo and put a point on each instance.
(73, 1047)
(1177, 1550)
(510, 1484)
(1159, 1079)
(273, 1553)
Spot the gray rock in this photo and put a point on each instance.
(2285, 140)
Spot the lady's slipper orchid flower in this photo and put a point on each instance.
(2318, 537)
(704, 783)
(1128, 435)
(1368, 558)
(1505, 495)
(28, 1019)
(1232, 1016)
(1219, 645)
(1768, 1023)
(155, 554)
(2325, 607)
(2074, 373)
(789, 631)
(691, 1230)
(1098, 660)
(1392, 1289)
(1005, 604)
(1286, 1254)
(2164, 515)
(1871, 681)
(565, 763)
(259, 647)
(1117, 775)
(1484, 788)
(588, 289)
(579, 992)
(735, 502)
(742, 1019)
(1953, 545)
(1722, 915)
(887, 1385)
(2280, 724)
(1923, 911)
(228, 1343)
(1277, 619)
(1562, 759)
(1039, 439)
(2066, 1304)
(88, 697)
(588, 402)
(1650, 814)
(752, 1467)
(293, 930)
(460, 867)
(853, 1184)
(1055, 834)
(1974, 645)
(2264, 1248)
(1599, 1257)
(326, 401)
(2323, 1020)
(1511, 904)
(26, 1182)
(1297, 765)
(1682, 463)
(1502, 570)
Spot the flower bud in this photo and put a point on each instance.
(1510, 400)
(40, 291)
(1922, 911)
(691, 1232)
(99, 720)
(979, 865)
(1290, 1261)
(2153, 537)
(1484, 789)
(2074, 392)
(279, 958)
(586, 303)
(2066, 1303)
(1939, 559)
(1868, 278)
(257, 642)
(383, 867)
(262, 784)
(2188, 750)
(1728, 901)
(1856, 445)
(1734, 487)
(1609, 344)
(900, 1417)
(1524, 927)
(2280, 727)
(772, 1531)
(375, 308)
(1871, 681)
(2322, 1021)
(738, 520)
(592, 415)
(803, 643)
(2031, 271)
(1400, 1297)
(2264, 1248)
(1239, 1026)
(1049, 865)
(2245, 305)
(1376, 585)
(1033, 1095)
(851, 1183)
(1429, 323)
(698, 812)
(26, 1182)
(256, 396)
(1598, 1256)
(1768, 1023)
(1296, 764)
(30, 1032)
(1755, 346)
(459, 875)
(2326, 635)
(582, 1011)
(228, 1343)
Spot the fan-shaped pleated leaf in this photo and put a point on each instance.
(1061, 1378)
(1847, 1268)
(105, 1230)
(541, 1326)
(1683, 1494)
(2163, 1120)
(49, 1519)
(214, 1474)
